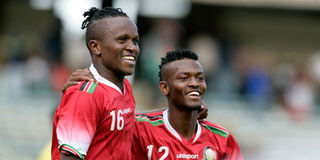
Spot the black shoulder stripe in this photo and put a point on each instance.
(83, 86)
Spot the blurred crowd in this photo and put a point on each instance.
(260, 78)
(31, 69)
(261, 59)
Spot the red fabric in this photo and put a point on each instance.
(98, 125)
(159, 142)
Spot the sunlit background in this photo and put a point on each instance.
(261, 58)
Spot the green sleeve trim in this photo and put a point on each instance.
(92, 87)
(216, 130)
(154, 123)
(72, 150)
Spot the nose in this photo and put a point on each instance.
(133, 47)
(194, 82)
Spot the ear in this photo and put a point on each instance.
(164, 88)
(94, 47)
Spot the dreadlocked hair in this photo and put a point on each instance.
(95, 14)
(177, 54)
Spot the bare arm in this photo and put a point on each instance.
(85, 75)
(78, 76)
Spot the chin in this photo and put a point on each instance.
(128, 72)
(195, 106)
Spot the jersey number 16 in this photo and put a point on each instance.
(119, 119)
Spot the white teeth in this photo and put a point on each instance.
(128, 58)
(194, 93)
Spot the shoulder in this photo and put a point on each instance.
(89, 87)
(84, 91)
(83, 87)
(215, 128)
(153, 118)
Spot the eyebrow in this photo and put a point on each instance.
(187, 73)
(118, 35)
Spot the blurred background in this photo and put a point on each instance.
(261, 58)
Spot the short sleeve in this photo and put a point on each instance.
(77, 123)
(233, 150)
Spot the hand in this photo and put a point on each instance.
(203, 112)
(77, 76)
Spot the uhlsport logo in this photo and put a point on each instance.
(209, 153)
(187, 156)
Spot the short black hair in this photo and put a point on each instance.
(177, 54)
(95, 14)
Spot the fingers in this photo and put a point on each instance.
(203, 112)
(82, 75)
(203, 104)
(77, 76)
(68, 84)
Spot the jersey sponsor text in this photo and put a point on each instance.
(187, 156)
(127, 110)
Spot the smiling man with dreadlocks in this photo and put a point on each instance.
(96, 121)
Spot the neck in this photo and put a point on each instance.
(110, 75)
(183, 121)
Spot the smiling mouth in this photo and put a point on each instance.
(129, 59)
(194, 94)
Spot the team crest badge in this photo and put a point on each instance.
(209, 153)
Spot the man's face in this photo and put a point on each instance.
(118, 40)
(185, 82)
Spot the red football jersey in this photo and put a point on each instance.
(155, 139)
(94, 121)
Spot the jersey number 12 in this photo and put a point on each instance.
(161, 149)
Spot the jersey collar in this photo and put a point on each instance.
(174, 132)
(100, 79)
